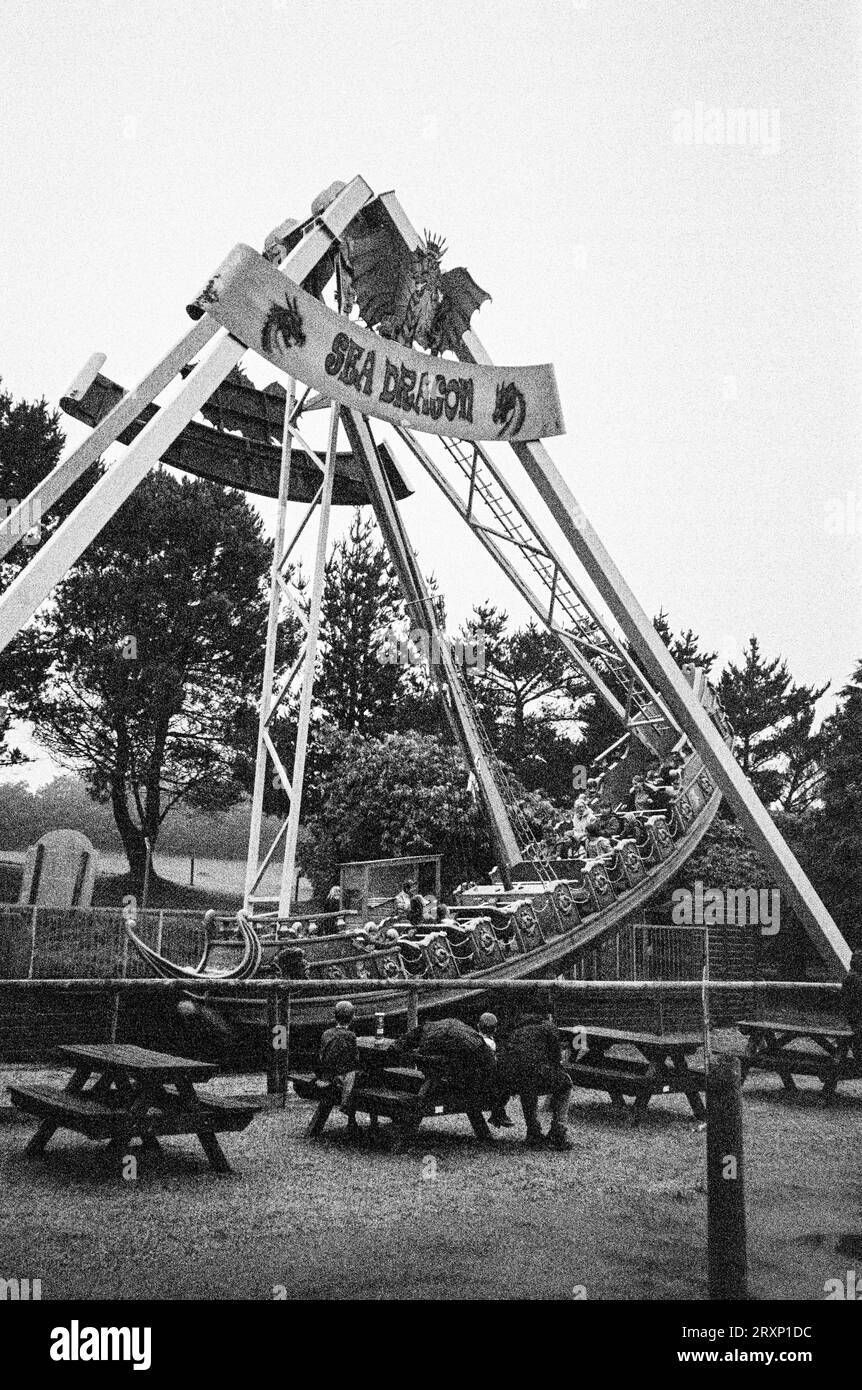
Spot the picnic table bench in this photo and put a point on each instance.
(661, 1066)
(405, 1094)
(770, 1048)
(134, 1094)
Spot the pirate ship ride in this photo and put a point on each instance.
(353, 304)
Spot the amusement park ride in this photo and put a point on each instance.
(375, 354)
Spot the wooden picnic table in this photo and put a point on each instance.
(404, 1091)
(662, 1066)
(121, 1092)
(770, 1048)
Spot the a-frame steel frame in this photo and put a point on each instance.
(51, 562)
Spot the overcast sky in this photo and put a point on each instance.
(700, 299)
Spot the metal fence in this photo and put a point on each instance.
(48, 943)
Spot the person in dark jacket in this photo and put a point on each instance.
(464, 1059)
(531, 1065)
(338, 1057)
(851, 1002)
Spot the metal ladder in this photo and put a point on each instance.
(556, 597)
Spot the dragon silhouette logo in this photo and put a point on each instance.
(283, 327)
(510, 409)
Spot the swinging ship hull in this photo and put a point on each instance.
(232, 1025)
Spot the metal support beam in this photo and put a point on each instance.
(417, 596)
(272, 628)
(662, 671)
(304, 716)
(514, 575)
(33, 584)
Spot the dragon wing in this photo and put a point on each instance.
(379, 261)
(461, 298)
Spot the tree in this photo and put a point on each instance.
(153, 644)
(404, 793)
(527, 697)
(685, 649)
(772, 717)
(831, 850)
(31, 442)
(361, 603)
(601, 728)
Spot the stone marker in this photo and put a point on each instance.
(59, 871)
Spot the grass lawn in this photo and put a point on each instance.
(623, 1214)
(110, 890)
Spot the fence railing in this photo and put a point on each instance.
(38, 1014)
(43, 943)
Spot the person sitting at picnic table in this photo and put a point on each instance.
(531, 1065)
(851, 1003)
(338, 1057)
(467, 1060)
(487, 1026)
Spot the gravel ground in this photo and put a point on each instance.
(623, 1215)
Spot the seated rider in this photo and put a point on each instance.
(402, 898)
(416, 910)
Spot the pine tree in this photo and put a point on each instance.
(360, 681)
(837, 857)
(772, 717)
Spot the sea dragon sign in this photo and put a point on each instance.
(375, 375)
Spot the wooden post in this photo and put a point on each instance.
(192, 870)
(727, 1256)
(276, 1069)
(32, 962)
(412, 1009)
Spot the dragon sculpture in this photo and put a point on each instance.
(401, 293)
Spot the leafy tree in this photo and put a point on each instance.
(773, 718)
(31, 442)
(153, 646)
(404, 793)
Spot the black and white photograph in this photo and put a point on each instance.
(430, 673)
